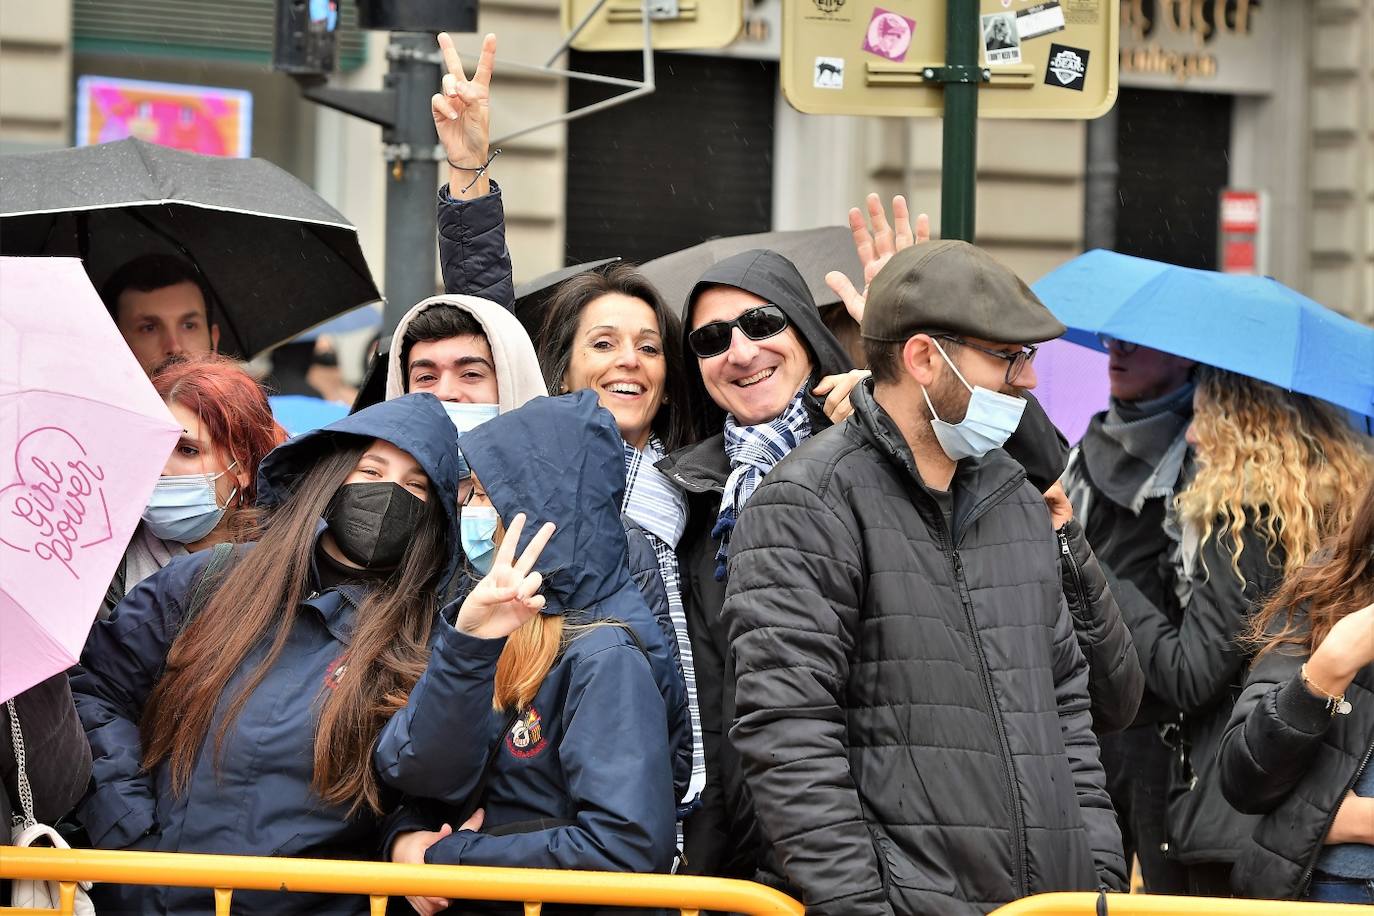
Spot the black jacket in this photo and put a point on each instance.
(721, 837)
(1115, 681)
(57, 756)
(912, 711)
(1197, 666)
(1286, 758)
(473, 257)
(1132, 547)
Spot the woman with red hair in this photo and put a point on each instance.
(208, 485)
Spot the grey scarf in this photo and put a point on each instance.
(1135, 451)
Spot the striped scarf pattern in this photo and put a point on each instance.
(753, 450)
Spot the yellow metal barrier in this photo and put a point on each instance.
(380, 880)
(1159, 905)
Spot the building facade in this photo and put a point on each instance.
(1275, 96)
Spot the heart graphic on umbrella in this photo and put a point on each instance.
(57, 497)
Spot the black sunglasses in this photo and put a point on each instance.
(757, 324)
(1016, 361)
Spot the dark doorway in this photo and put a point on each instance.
(692, 161)
(1173, 150)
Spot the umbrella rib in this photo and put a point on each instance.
(223, 312)
(314, 230)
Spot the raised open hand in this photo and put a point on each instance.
(876, 247)
(462, 111)
(508, 596)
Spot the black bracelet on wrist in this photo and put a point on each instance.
(478, 172)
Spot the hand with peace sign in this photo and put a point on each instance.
(877, 247)
(508, 596)
(462, 111)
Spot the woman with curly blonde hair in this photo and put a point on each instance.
(1275, 474)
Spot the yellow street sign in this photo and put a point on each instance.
(677, 24)
(1043, 58)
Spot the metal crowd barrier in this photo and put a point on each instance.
(379, 880)
(1159, 905)
(222, 875)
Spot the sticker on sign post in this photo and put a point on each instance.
(1001, 43)
(1038, 20)
(888, 34)
(829, 73)
(1067, 67)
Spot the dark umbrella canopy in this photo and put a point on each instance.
(816, 252)
(532, 297)
(278, 259)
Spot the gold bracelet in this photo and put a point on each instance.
(1335, 705)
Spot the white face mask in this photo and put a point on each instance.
(467, 417)
(990, 420)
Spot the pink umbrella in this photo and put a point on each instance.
(83, 438)
(1073, 385)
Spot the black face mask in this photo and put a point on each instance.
(373, 522)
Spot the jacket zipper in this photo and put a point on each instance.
(1331, 819)
(1074, 572)
(1017, 815)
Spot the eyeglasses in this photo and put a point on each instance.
(757, 324)
(1125, 348)
(1016, 362)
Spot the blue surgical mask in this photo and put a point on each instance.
(988, 423)
(467, 417)
(183, 507)
(478, 525)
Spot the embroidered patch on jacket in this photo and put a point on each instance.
(526, 737)
(335, 674)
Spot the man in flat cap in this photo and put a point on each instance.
(912, 710)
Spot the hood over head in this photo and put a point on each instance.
(518, 378)
(773, 277)
(560, 460)
(415, 423)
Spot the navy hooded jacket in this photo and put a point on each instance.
(260, 801)
(591, 753)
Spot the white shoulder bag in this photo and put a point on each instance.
(26, 831)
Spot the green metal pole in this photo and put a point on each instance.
(959, 164)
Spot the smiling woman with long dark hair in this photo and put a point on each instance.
(233, 699)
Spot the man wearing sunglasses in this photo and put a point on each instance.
(912, 708)
(760, 349)
(1120, 479)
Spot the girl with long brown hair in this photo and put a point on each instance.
(1276, 472)
(235, 711)
(543, 662)
(1299, 744)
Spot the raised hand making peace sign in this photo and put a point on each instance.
(508, 596)
(462, 112)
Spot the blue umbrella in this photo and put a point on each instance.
(300, 414)
(1254, 326)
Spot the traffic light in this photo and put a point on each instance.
(305, 39)
(418, 15)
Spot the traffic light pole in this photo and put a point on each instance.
(412, 156)
(961, 76)
(412, 163)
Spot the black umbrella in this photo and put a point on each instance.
(816, 252)
(533, 296)
(277, 258)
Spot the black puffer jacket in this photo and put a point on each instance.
(1198, 667)
(1285, 757)
(912, 706)
(721, 838)
(1115, 681)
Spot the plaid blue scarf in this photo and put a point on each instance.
(753, 450)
